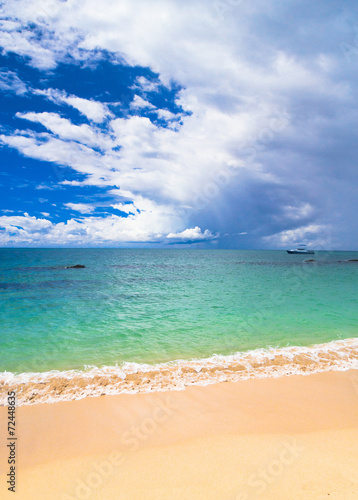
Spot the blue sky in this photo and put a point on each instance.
(224, 124)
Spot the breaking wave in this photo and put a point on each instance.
(55, 386)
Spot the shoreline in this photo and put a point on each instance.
(289, 437)
(134, 378)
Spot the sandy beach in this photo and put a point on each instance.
(291, 438)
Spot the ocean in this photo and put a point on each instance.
(151, 319)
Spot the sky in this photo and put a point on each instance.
(177, 123)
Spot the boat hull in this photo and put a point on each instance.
(305, 252)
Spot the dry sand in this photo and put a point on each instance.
(286, 438)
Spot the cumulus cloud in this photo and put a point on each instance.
(22, 228)
(96, 231)
(268, 145)
(192, 235)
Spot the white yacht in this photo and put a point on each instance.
(301, 249)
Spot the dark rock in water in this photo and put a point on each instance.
(353, 260)
(310, 260)
(77, 266)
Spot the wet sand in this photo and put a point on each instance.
(132, 378)
(286, 438)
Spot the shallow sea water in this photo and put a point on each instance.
(128, 310)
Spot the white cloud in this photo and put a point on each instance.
(23, 42)
(140, 103)
(64, 129)
(45, 186)
(192, 235)
(147, 226)
(318, 236)
(265, 108)
(83, 208)
(9, 81)
(146, 85)
(167, 115)
(22, 228)
(93, 110)
(127, 208)
(298, 212)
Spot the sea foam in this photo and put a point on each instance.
(129, 378)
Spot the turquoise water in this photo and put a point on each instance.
(152, 306)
